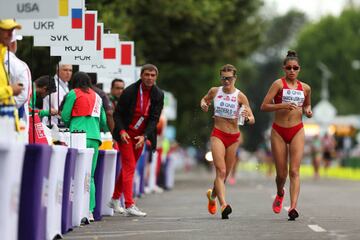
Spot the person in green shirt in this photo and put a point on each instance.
(83, 111)
(43, 86)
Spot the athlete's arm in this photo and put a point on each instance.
(206, 100)
(307, 101)
(247, 112)
(268, 104)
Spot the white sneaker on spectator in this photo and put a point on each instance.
(134, 211)
(147, 190)
(91, 217)
(115, 205)
(158, 189)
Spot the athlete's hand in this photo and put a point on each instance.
(245, 112)
(290, 106)
(124, 137)
(204, 106)
(308, 112)
(140, 142)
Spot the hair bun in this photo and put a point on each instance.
(291, 53)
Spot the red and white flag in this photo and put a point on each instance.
(111, 49)
(90, 25)
(127, 53)
(99, 36)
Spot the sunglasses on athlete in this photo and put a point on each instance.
(295, 68)
(227, 78)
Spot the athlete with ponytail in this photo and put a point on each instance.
(289, 98)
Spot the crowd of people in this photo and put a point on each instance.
(73, 100)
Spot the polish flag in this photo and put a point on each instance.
(90, 25)
(127, 53)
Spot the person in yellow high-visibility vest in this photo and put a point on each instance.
(7, 91)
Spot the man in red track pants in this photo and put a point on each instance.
(136, 116)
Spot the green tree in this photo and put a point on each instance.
(189, 40)
(333, 41)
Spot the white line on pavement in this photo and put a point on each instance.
(287, 208)
(316, 228)
(128, 233)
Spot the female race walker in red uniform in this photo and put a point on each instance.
(225, 135)
(289, 99)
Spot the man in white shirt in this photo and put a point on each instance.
(20, 74)
(62, 77)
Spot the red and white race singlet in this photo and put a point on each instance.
(226, 105)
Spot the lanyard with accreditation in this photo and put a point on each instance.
(143, 112)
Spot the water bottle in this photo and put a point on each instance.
(241, 119)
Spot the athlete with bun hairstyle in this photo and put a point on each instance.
(225, 137)
(289, 98)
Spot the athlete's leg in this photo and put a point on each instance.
(279, 152)
(230, 157)
(218, 153)
(296, 154)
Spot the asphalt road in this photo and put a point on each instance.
(329, 209)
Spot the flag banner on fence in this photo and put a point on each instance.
(84, 53)
(29, 9)
(66, 29)
(111, 49)
(126, 68)
(110, 55)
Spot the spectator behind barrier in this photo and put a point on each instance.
(83, 111)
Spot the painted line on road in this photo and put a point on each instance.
(316, 228)
(96, 235)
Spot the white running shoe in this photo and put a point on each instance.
(115, 205)
(91, 217)
(158, 189)
(134, 211)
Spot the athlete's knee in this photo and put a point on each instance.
(221, 173)
(294, 173)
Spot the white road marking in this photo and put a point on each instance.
(129, 233)
(287, 208)
(316, 228)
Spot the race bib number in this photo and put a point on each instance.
(293, 96)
